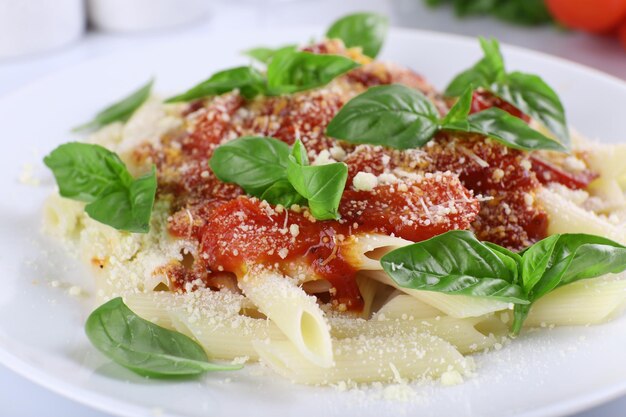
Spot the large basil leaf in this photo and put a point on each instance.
(367, 30)
(265, 55)
(390, 115)
(484, 73)
(293, 71)
(120, 111)
(95, 175)
(533, 96)
(254, 163)
(506, 129)
(144, 347)
(455, 263)
(321, 185)
(248, 80)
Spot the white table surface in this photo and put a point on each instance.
(21, 398)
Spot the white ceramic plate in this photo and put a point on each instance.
(545, 373)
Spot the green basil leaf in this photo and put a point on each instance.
(144, 347)
(127, 208)
(283, 193)
(84, 171)
(579, 256)
(455, 263)
(506, 129)
(367, 30)
(535, 261)
(562, 259)
(321, 185)
(293, 71)
(95, 175)
(298, 151)
(484, 73)
(254, 163)
(265, 55)
(461, 109)
(533, 96)
(389, 115)
(524, 12)
(248, 80)
(120, 111)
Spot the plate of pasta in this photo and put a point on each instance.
(372, 221)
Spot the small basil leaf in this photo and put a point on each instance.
(248, 80)
(367, 30)
(120, 111)
(84, 171)
(579, 256)
(520, 312)
(144, 347)
(265, 55)
(484, 73)
(321, 185)
(298, 151)
(461, 108)
(293, 71)
(283, 193)
(455, 263)
(254, 163)
(533, 96)
(95, 175)
(128, 208)
(535, 261)
(512, 259)
(389, 115)
(506, 129)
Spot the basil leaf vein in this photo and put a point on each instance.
(144, 347)
(120, 111)
(97, 176)
(367, 30)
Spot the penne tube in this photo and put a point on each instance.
(294, 312)
(363, 360)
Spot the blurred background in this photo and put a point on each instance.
(40, 37)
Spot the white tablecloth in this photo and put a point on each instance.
(19, 397)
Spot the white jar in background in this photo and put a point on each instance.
(31, 26)
(136, 15)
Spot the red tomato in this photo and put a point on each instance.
(596, 16)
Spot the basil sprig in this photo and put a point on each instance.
(292, 71)
(144, 347)
(527, 92)
(266, 168)
(264, 54)
(457, 263)
(97, 176)
(367, 30)
(321, 185)
(248, 80)
(120, 111)
(403, 118)
(289, 71)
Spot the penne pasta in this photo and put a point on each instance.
(294, 312)
(363, 360)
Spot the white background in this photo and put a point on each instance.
(19, 397)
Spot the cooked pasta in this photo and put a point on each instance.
(293, 261)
